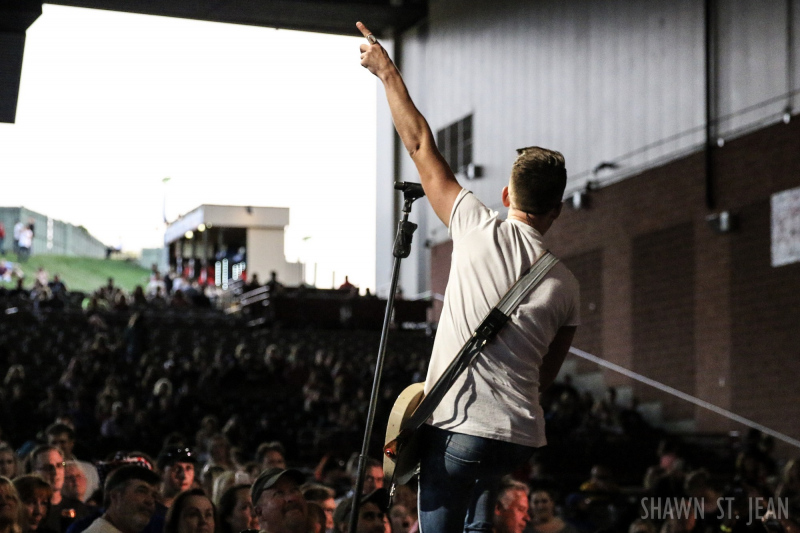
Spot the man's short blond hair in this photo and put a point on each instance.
(509, 489)
(538, 180)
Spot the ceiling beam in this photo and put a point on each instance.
(385, 18)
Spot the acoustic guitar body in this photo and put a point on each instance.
(401, 455)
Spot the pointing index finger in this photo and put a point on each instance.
(366, 33)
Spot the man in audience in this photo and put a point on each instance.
(177, 467)
(57, 287)
(18, 227)
(271, 455)
(373, 477)
(371, 513)
(324, 497)
(278, 502)
(511, 511)
(131, 496)
(62, 436)
(48, 462)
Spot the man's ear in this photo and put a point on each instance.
(498, 509)
(113, 497)
(506, 199)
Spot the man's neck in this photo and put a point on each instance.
(537, 222)
(56, 499)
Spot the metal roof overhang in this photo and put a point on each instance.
(384, 17)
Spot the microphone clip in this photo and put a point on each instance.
(411, 191)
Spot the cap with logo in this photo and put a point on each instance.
(270, 476)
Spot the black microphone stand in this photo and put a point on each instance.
(401, 250)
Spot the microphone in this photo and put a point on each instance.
(411, 191)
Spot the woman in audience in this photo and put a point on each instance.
(235, 512)
(34, 493)
(9, 462)
(543, 513)
(9, 507)
(191, 512)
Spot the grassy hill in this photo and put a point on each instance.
(84, 273)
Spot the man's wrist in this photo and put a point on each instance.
(389, 75)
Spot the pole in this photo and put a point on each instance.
(402, 249)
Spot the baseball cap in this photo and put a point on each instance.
(270, 476)
(170, 456)
(125, 473)
(379, 497)
(104, 468)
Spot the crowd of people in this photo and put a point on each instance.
(150, 419)
(46, 291)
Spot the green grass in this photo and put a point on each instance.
(83, 273)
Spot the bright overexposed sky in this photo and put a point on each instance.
(112, 103)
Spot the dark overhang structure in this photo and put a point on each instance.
(384, 17)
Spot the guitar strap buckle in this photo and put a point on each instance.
(493, 322)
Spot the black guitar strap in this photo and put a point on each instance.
(488, 329)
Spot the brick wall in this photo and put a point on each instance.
(664, 294)
(588, 268)
(662, 282)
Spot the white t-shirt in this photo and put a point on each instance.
(497, 397)
(101, 525)
(26, 238)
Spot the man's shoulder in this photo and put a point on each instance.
(101, 525)
(468, 213)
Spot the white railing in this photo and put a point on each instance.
(682, 395)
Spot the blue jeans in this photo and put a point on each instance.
(459, 479)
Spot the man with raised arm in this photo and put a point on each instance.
(490, 420)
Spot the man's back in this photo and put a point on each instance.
(497, 397)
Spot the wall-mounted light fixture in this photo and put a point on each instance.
(472, 171)
(578, 200)
(581, 199)
(723, 222)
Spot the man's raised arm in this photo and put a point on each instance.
(441, 186)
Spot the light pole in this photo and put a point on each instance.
(164, 202)
(306, 240)
(165, 256)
